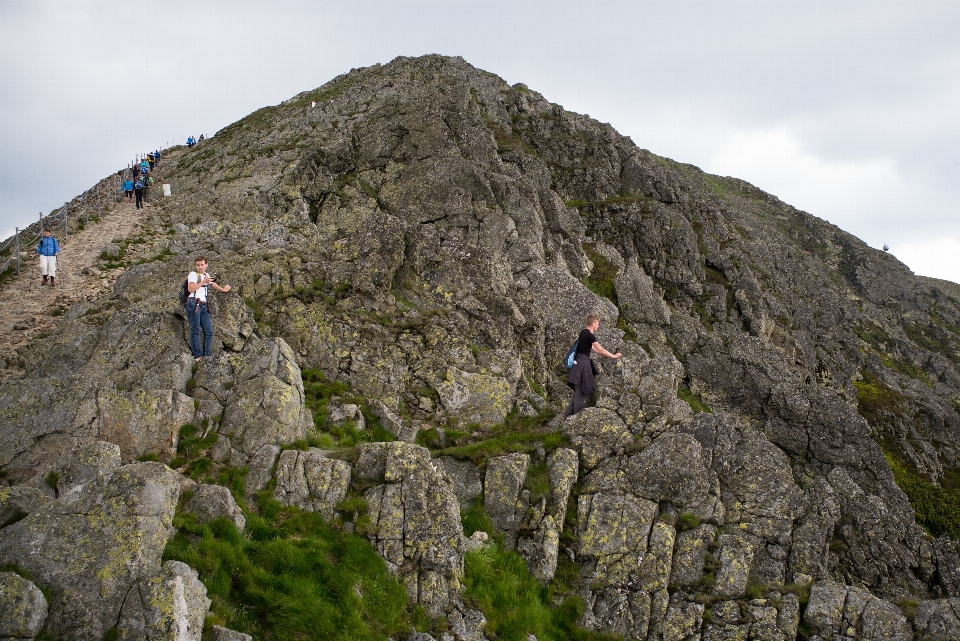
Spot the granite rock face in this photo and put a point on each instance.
(121, 523)
(415, 521)
(311, 481)
(23, 608)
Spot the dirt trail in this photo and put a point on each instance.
(29, 308)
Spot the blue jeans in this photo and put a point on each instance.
(199, 316)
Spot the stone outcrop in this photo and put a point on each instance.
(120, 522)
(170, 605)
(415, 521)
(210, 502)
(838, 610)
(23, 608)
(312, 481)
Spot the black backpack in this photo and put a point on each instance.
(184, 294)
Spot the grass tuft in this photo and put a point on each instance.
(292, 576)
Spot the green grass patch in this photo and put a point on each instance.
(318, 391)
(291, 576)
(192, 450)
(516, 434)
(877, 402)
(695, 402)
(600, 280)
(516, 604)
(937, 509)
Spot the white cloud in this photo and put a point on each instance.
(935, 257)
(855, 193)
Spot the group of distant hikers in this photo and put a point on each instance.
(191, 141)
(137, 178)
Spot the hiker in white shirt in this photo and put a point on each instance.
(198, 283)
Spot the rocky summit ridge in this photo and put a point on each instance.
(413, 248)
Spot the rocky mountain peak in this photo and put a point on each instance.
(413, 247)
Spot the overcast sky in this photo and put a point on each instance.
(847, 110)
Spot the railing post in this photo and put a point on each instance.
(17, 236)
(66, 222)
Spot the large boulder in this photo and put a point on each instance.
(170, 605)
(210, 502)
(23, 608)
(415, 521)
(261, 391)
(312, 481)
(92, 549)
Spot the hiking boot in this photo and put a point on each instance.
(53, 281)
(44, 281)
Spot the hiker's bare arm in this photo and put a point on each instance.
(598, 348)
(225, 288)
(204, 280)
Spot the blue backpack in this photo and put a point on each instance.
(571, 355)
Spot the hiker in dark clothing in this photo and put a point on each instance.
(582, 372)
(138, 190)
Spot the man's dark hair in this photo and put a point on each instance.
(199, 258)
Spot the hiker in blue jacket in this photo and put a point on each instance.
(128, 188)
(48, 249)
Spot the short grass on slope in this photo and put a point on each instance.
(290, 576)
(937, 508)
(514, 603)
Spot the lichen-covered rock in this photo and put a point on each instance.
(502, 493)
(682, 621)
(18, 501)
(736, 556)
(392, 421)
(23, 608)
(221, 633)
(613, 531)
(312, 481)
(93, 461)
(260, 470)
(262, 393)
(597, 434)
(541, 548)
(120, 523)
(475, 397)
(835, 609)
(142, 422)
(670, 469)
(465, 475)
(339, 413)
(211, 502)
(169, 606)
(689, 554)
(467, 624)
(415, 522)
(938, 620)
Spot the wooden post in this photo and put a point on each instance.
(16, 234)
(66, 222)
